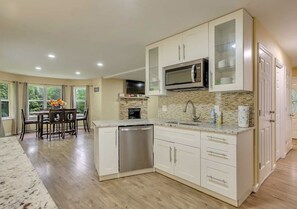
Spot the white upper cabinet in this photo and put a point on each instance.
(154, 72)
(187, 46)
(230, 52)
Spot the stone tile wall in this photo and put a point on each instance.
(132, 103)
(204, 102)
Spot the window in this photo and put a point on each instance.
(4, 94)
(80, 99)
(39, 96)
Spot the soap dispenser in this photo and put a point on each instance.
(213, 116)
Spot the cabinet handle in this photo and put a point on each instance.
(216, 139)
(216, 154)
(115, 138)
(216, 179)
(179, 52)
(170, 154)
(184, 51)
(175, 155)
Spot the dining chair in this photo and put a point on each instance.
(70, 122)
(85, 118)
(27, 122)
(56, 123)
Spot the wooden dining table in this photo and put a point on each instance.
(40, 115)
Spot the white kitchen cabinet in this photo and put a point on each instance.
(230, 52)
(187, 46)
(154, 71)
(187, 163)
(172, 157)
(163, 155)
(106, 150)
(227, 164)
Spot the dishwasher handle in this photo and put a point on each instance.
(136, 129)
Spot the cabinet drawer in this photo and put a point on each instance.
(218, 178)
(219, 138)
(177, 135)
(218, 152)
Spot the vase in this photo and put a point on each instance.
(56, 107)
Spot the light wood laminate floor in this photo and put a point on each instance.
(67, 169)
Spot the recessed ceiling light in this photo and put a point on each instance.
(77, 73)
(38, 68)
(99, 64)
(52, 56)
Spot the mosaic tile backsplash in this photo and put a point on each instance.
(204, 101)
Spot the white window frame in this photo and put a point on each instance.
(7, 100)
(79, 100)
(44, 95)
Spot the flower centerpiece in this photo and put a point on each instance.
(57, 104)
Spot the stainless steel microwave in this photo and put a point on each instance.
(187, 76)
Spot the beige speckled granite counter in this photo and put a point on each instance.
(19, 182)
(200, 127)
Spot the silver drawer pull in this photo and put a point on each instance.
(174, 155)
(216, 154)
(170, 154)
(217, 139)
(216, 179)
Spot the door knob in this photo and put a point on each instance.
(271, 121)
(271, 112)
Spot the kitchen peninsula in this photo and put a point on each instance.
(216, 160)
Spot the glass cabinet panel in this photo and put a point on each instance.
(153, 65)
(225, 53)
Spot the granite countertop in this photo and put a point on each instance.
(226, 129)
(19, 182)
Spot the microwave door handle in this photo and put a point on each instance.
(193, 73)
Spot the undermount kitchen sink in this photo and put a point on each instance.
(184, 123)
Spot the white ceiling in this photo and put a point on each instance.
(115, 32)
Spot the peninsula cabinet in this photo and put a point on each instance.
(230, 52)
(177, 156)
(187, 46)
(153, 70)
(227, 164)
(106, 151)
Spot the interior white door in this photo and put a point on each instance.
(288, 114)
(294, 119)
(265, 106)
(279, 124)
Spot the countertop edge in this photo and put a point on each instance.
(232, 130)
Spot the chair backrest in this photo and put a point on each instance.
(56, 116)
(23, 115)
(86, 113)
(70, 115)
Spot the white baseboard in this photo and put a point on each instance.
(8, 134)
(256, 187)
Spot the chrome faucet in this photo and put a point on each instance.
(195, 118)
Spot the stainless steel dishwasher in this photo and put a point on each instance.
(135, 148)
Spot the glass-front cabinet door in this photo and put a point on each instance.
(154, 72)
(230, 52)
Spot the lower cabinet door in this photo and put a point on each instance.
(108, 151)
(187, 163)
(163, 155)
(219, 178)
